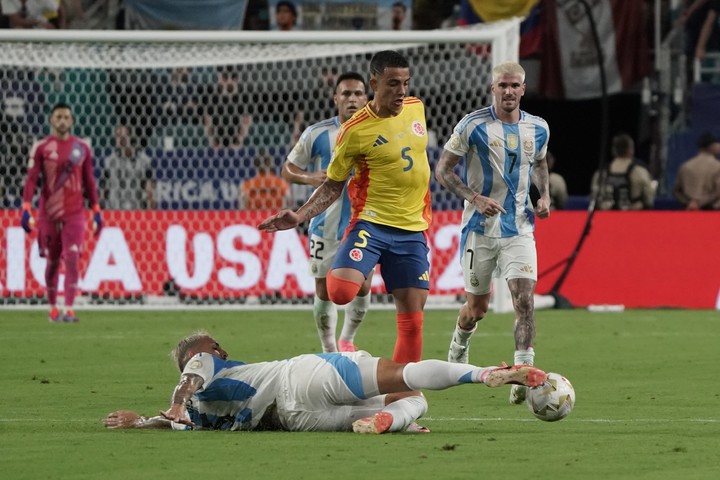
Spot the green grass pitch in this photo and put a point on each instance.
(648, 400)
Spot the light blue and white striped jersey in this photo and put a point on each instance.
(313, 153)
(499, 158)
(234, 395)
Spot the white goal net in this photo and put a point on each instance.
(177, 121)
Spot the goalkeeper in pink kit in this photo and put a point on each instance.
(65, 164)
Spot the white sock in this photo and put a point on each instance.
(439, 375)
(354, 314)
(462, 336)
(325, 313)
(405, 411)
(525, 357)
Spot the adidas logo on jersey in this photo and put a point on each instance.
(380, 141)
(425, 276)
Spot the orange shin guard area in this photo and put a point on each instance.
(408, 347)
(341, 291)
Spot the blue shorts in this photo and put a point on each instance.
(401, 254)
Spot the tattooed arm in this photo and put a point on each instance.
(445, 174)
(541, 179)
(130, 419)
(189, 384)
(324, 196)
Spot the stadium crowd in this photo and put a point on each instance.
(166, 109)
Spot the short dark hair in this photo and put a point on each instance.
(387, 59)
(707, 139)
(289, 5)
(401, 5)
(60, 105)
(622, 143)
(350, 76)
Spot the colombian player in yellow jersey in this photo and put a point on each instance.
(384, 144)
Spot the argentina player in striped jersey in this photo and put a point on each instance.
(332, 392)
(306, 165)
(504, 150)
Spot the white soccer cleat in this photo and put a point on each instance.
(520, 376)
(458, 353)
(378, 423)
(414, 427)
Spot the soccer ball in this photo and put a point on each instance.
(553, 400)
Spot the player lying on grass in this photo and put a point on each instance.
(313, 392)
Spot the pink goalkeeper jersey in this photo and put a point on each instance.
(67, 170)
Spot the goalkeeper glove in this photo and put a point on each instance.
(97, 220)
(26, 219)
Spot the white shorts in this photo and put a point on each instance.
(322, 254)
(514, 257)
(328, 392)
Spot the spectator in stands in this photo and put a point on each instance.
(226, 126)
(697, 185)
(264, 191)
(558, 187)
(709, 25)
(692, 17)
(128, 180)
(48, 14)
(627, 184)
(399, 12)
(22, 100)
(179, 102)
(285, 16)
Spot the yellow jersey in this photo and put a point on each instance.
(391, 183)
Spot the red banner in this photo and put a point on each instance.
(639, 259)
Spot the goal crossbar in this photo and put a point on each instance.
(503, 37)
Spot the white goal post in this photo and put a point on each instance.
(503, 38)
(175, 229)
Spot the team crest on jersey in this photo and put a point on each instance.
(418, 128)
(356, 254)
(512, 141)
(454, 141)
(528, 145)
(76, 155)
(195, 365)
